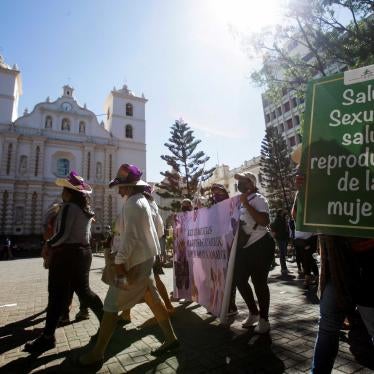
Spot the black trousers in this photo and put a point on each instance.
(69, 270)
(309, 262)
(254, 262)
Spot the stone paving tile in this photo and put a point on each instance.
(206, 346)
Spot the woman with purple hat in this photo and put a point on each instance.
(125, 316)
(134, 261)
(70, 259)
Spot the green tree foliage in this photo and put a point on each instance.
(312, 39)
(186, 163)
(276, 170)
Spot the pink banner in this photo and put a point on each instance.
(203, 240)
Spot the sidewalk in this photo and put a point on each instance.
(206, 346)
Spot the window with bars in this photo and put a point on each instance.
(129, 110)
(88, 165)
(34, 201)
(110, 167)
(128, 132)
(110, 210)
(9, 158)
(37, 157)
(63, 167)
(4, 210)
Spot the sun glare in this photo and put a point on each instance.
(248, 15)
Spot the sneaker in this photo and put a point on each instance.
(40, 344)
(251, 320)
(262, 327)
(82, 315)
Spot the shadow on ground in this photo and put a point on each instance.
(205, 347)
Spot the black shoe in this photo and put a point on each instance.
(165, 348)
(82, 315)
(40, 344)
(64, 320)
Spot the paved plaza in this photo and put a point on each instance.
(206, 346)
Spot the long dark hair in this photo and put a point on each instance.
(83, 201)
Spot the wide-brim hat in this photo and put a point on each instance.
(218, 186)
(128, 175)
(296, 154)
(74, 182)
(248, 176)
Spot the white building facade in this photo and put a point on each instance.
(225, 176)
(286, 115)
(57, 137)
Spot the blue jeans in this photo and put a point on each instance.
(282, 244)
(327, 343)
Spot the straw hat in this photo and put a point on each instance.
(296, 154)
(128, 175)
(74, 182)
(248, 176)
(218, 186)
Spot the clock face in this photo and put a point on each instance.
(66, 107)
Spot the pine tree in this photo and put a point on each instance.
(276, 170)
(187, 166)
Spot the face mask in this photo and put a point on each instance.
(242, 187)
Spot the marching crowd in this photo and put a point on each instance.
(133, 268)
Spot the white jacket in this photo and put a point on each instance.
(139, 240)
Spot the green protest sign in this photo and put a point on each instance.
(338, 156)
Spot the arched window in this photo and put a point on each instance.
(22, 169)
(82, 127)
(128, 132)
(63, 166)
(129, 110)
(37, 156)
(88, 165)
(48, 122)
(110, 167)
(65, 124)
(9, 159)
(108, 113)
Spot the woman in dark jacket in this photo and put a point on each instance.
(70, 257)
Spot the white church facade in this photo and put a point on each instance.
(57, 137)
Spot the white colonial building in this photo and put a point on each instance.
(225, 176)
(57, 137)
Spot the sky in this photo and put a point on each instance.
(181, 54)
